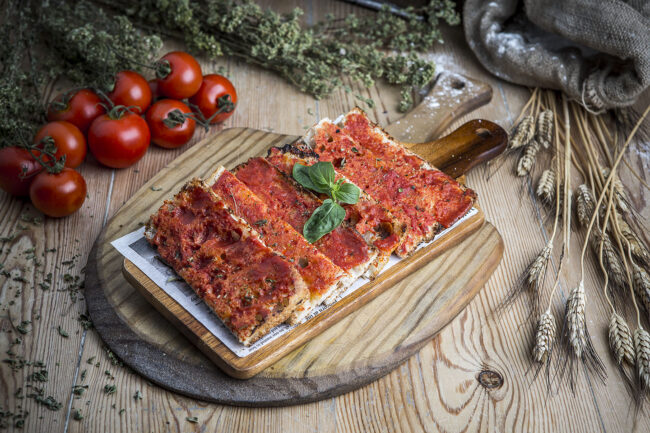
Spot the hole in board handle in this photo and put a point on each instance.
(483, 133)
(458, 85)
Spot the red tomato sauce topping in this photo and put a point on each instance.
(366, 216)
(389, 188)
(317, 270)
(449, 199)
(286, 201)
(241, 279)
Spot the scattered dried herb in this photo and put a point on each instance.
(137, 395)
(22, 328)
(39, 376)
(192, 419)
(49, 402)
(62, 332)
(110, 389)
(78, 390)
(84, 321)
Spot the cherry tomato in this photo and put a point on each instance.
(169, 126)
(119, 138)
(182, 77)
(217, 94)
(80, 109)
(131, 89)
(17, 170)
(68, 140)
(58, 195)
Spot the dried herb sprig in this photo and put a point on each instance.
(315, 58)
(44, 41)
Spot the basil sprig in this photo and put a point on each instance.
(320, 177)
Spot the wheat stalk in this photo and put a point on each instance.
(527, 160)
(642, 350)
(523, 133)
(544, 128)
(620, 340)
(544, 337)
(546, 187)
(641, 285)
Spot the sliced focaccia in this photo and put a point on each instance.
(449, 199)
(249, 287)
(417, 207)
(322, 277)
(289, 201)
(374, 222)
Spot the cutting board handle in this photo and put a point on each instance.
(451, 96)
(473, 143)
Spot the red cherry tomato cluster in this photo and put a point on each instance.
(117, 129)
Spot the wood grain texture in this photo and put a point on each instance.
(436, 390)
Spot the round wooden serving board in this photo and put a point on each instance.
(357, 350)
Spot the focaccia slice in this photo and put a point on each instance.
(249, 287)
(374, 222)
(389, 188)
(449, 199)
(322, 277)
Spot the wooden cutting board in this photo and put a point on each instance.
(349, 351)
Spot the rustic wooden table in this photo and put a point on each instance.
(436, 390)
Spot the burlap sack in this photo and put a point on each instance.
(596, 51)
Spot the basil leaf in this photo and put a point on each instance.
(348, 193)
(322, 175)
(301, 175)
(326, 218)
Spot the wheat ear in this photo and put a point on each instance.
(544, 128)
(585, 204)
(620, 340)
(546, 187)
(639, 250)
(544, 338)
(613, 261)
(575, 318)
(527, 160)
(641, 285)
(642, 350)
(523, 133)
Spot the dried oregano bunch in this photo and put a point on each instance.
(312, 58)
(41, 41)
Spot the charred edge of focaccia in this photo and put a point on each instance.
(324, 272)
(390, 141)
(278, 314)
(291, 154)
(352, 273)
(411, 239)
